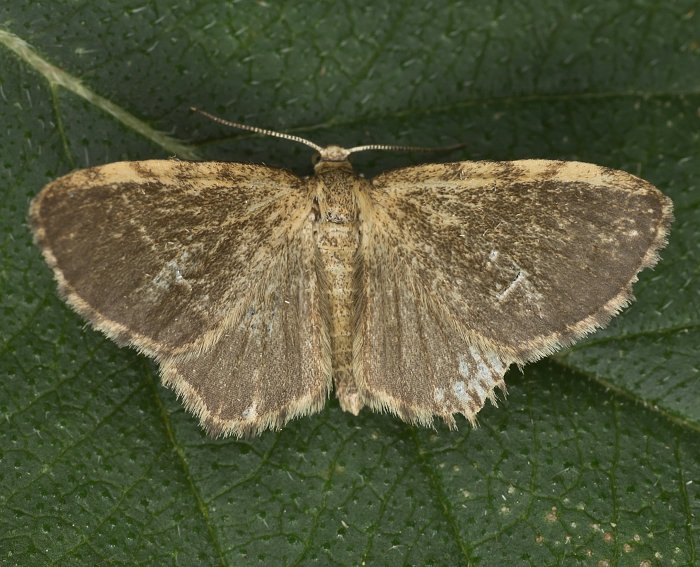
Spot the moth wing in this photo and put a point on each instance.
(271, 364)
(468, 267)
(408, 358)
(185, 260)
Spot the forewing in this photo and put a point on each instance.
(523, 256)
(209, 267)
(468, 267)
(156, 254)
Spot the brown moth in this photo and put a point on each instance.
(258, 291)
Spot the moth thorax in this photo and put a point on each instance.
(336, 198)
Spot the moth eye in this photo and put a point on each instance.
(315, 158)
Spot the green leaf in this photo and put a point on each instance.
(593, 457)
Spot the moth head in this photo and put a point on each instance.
(331, 157)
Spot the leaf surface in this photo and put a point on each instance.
(594, 454)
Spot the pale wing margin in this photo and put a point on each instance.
(524, 256)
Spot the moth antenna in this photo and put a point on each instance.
(257, 130)
(293, 138)
(392, 148)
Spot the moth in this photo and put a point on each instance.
(259, 292)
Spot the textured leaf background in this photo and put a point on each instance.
(593, 457)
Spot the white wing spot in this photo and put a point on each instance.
(439, 395)
(515, 283)
(172, 273)
(495, 363)
(463, 366)
(175, 270)
(251, 411)
(480, 391)
(493, 255)
(482, 370)
(460, 391)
